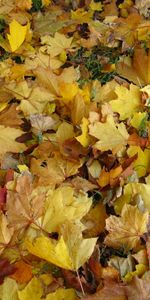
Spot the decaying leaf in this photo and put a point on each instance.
(24, 203)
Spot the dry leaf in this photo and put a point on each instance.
(126, 230)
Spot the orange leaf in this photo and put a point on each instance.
(23, 272)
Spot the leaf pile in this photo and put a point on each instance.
(74, 150)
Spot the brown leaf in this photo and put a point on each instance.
(10, 117)
(138, 289)
(24, 204)
(5, 269)
(138, 71)
(112, 290)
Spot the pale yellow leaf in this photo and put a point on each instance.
(64, 204)
(8, 290)
(65, 131)
(8, 140)
(33, 290)
(51, 250)
(110, 135)
(125, 231)
(71, 251)
(5, 232)
(142, 163)
(79, 249)
(55, 45)
(127, 102)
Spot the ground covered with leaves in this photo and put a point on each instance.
(74, 150)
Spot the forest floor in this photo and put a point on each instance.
(74, 150)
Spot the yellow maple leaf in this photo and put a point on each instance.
(137, 118)
(33, 290)
(8, 140)
(68, 91)
(70, 252)
(64, 204)
(61, 294)
(9, 289)
(17, 35)
(51, 250)
(110, 135)
(132, 191)
(57, 44)
(127, 102)
(57, 169)
(96, 6)
(84, 138)
(126, 230)
(142, 163)
(136, 70)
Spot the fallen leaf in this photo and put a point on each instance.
(55, 45)
(55, 170)
(84, 138)
(95, 220)
(61, 294)
(70, 252)
(110, 135)
(141, 164)
(8, 140)
(23, 272)
(10, 117)
(127, 102)
(33, 290)
(125, 231)
(5, 232)
(138, 69)
(24, 203)
(17, 35)
(11, 286)
(64, 204)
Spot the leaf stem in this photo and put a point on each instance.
(81, 285)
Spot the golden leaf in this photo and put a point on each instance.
(57, 44)
(33, 290)
(142, 163)
(125, 231)
(62, 294)
(127, 102)
(70, 252)
(64, 204)
(110, 135)
(138, 69)
(8, 140)
(84, 138)
(17, 35)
